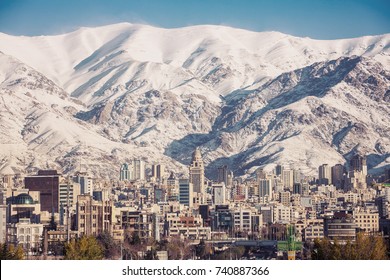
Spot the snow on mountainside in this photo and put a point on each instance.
(39, 130)
(314, 115)
(102, 95)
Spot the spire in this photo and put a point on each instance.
(196, 155)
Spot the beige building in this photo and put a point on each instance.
(68, 193)
(187, 226)
(93, 217)
(196, 171)
(314, 229)
(341, 226)
(284, 198)
(366, 220)
(282, 214)
(23, 206)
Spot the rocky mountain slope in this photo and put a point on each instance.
(95, 97)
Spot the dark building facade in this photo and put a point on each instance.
(47, 183)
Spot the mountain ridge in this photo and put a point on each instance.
(155, 93)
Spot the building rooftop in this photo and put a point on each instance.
(23, 198)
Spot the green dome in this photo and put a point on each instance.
(23, 199)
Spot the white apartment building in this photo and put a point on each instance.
(366, 220)
(282, 214)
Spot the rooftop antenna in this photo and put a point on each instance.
(67, 212)
(80, 159)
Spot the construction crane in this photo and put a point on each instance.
(291, 245)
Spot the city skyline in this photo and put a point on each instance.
(267, 215)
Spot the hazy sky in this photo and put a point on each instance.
(321, 19)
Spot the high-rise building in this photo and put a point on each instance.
(297, 188)
(68, 194)
(357, 175)
(285, 198)
(338, 172)
(93, 217)
(279, 170)
(265, 190)
(139, 169)
(186, 192)
(86, 183)
(325, 174)
(125, 172)
(219, 194)
(47, 183)
(288, 178)
(132, 171)
(358, 163)
(297, 176)
(172, 187)
(197, 172)
(158, 171)
(230, 179)
(260, 174)
(223, 173)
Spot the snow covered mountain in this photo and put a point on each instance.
(98, 96)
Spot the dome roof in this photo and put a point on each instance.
(23, 199)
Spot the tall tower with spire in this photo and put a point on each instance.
(197, 172)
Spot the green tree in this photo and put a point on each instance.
(85, 248)
(10, 252)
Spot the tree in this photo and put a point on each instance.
(233, 252)
(178, 250)
(135, 240)
(111, 249)
(52, 223)
(151, 255)
(57, 248)
(364, 248)
(200, 249)
(132, 246)
(10, 252)
(85, 248)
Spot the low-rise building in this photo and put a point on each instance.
(26, 234)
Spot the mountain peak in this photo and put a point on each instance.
(248, 98)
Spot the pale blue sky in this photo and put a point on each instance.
(321, 19)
